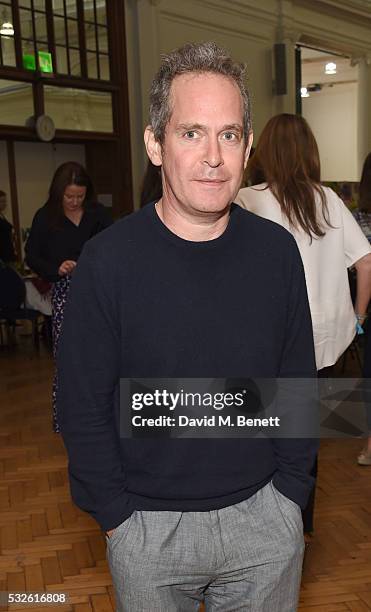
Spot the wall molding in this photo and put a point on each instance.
(354, 11)
(233, 8)
(355, 7)
(215, 27)
(242, 8)
(332, 41)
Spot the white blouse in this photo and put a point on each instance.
(325, 263)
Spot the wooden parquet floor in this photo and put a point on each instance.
(46, 543)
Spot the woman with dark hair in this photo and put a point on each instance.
(70, 217)
(328, 238)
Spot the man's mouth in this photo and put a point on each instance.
(211, 182)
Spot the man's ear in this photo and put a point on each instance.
(153, 147)
(248, 147)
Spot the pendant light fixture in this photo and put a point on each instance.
(6, 27)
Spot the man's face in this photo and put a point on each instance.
(204, 151)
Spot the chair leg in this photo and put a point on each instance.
(35, 334)
(10, 334)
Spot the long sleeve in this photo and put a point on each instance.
(88, 394)
(34, 249)
(295, 456)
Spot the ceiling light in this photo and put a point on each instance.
(330, 68)
(7, 29)
(304, 92)
(313, 87)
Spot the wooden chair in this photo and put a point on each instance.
(12, 306)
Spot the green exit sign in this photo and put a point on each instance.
(29, 61)
(45, 61)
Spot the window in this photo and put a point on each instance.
(16, 102)
(34, 36)
(67, 40)
(7, 47)
(65, 37)
(96, 39)
(79, 109)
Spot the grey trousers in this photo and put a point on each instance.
(243, 557)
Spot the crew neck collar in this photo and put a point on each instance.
(191, 244)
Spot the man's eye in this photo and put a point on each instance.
(191, 134)
(229, 136)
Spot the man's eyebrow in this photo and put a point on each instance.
(233, 126)
(190, 126)
(198, 126)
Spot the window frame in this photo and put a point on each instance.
(117, 85)
(52, 44)
(38, 79)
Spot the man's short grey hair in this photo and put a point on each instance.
(191, 58)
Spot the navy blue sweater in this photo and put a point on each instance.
(146, 303)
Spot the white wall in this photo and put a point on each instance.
(333, 116)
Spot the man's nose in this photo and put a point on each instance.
(213, 153)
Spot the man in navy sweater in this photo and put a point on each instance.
(190, 286)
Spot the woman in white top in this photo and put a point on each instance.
(328, 237)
